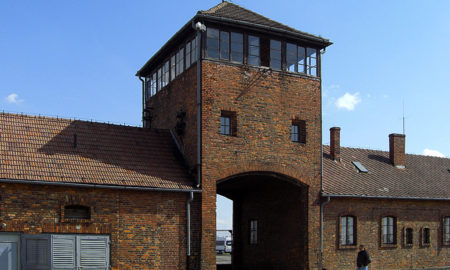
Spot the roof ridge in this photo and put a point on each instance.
(386, 151)
(62, 119)
(226, 3)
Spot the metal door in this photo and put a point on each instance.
(9, 248)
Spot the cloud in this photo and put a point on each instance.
(348, 101)
(13, 98)
(434, 153)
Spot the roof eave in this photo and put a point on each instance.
(324, 194)
(322, 42)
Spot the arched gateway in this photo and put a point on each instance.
(270, 220)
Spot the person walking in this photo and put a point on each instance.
(363, 259)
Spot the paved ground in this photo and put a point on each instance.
(223, 258)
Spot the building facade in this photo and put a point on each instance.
(231, 106)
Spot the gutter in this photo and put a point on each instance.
(78, 185)
(188, 225)
(322, 204)
(143, 100)
(382, 197)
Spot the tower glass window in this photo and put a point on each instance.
(253, 51)
(347, 236)
(237, 47)
(173, 65)
(224, 45)
(212, 43)
(311, 61)
(188, 54)
(275, 54)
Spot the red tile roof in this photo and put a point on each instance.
(424, 177)
(60, 150)
(239, 14)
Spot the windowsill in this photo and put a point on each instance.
(348, 247)
(425, 245)
(388, 246)
(408, 245)
(76, 220)
(446, 244)
(297, 142)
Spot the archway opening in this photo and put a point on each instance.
(269, 221)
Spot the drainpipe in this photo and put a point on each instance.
(199, 27)
(322, 204)
(143, 100)
(188, 225)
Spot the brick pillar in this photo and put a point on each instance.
(335, 143)
(397, 150)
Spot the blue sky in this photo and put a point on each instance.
(77, 59)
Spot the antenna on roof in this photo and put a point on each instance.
(403, 117)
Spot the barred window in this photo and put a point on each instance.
(298, 131)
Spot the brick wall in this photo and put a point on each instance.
(147, 229)
(409, 214)
(265, 106)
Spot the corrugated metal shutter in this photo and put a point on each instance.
(35, 252)
(93, 252)
(63, 252)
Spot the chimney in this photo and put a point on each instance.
(397, 153)
(335, 143)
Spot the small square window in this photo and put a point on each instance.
(228, 123)
(298, 131)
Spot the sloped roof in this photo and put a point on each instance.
(424, 177)
(234, 12)
(43, 149)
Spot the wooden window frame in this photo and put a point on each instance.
(446, 231)
(231, 115)
(253, 232)
(354, 232)
(392, 244)
(406, 236)
(425, 237)
(301, 128)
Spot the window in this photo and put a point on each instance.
(253, 232)
(64, 251)
(173, 66)
(225, 125)
(212, 43)
(311, 61)
(228, 123)
(77, 212)
(153, 87)
(408, 237)
(159, 78)
(446, 232)
(295, 58)
(165, 74)
(388, 230)
(194, 50)
(180, 61)
(275, 54)
(348, 230)
(224, 45)
(298, 131)
(237, 47)
(148, 87)
(426, 236)
(188, 54)
(253, 51)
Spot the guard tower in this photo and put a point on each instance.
(242, 96)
